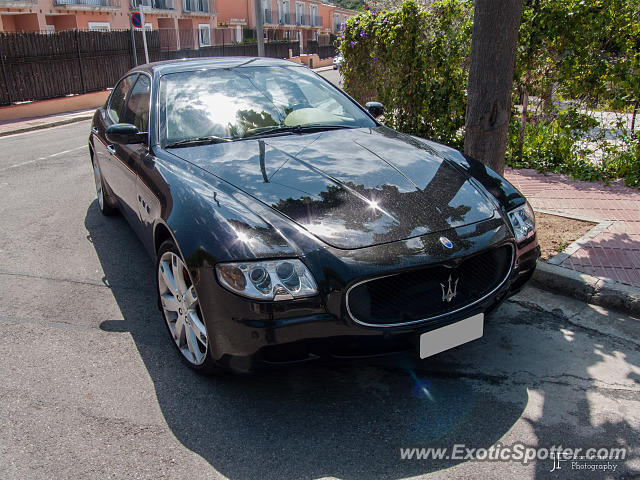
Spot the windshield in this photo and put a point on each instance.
(245, 102)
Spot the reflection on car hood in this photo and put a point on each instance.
(351, 188)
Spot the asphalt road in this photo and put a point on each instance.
(91, 387)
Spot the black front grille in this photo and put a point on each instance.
(418, 294)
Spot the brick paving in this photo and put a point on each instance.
(614, 253)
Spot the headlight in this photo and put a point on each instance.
(523, 221)
(268, 280)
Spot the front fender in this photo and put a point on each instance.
(505, 193)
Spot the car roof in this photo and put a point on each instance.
(187, 64)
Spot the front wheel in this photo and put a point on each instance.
(181, 309)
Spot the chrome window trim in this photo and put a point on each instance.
(414, 322)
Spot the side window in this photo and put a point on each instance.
(137, 110)
(120, 96)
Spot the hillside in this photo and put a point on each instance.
(353, 4)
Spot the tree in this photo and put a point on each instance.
(493, 51)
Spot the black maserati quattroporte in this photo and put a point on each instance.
(288, 224)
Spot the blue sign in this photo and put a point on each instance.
(136, 19)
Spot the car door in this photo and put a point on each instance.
(109, 115)
(127, 157)
(119, 178)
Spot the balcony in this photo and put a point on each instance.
(17, 3)
(88, 4)
(268, 16)
(315, 21)
(147, 5)
(284, 19)
(198, 7)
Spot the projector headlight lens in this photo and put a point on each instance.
(268, 280)
(523, 221)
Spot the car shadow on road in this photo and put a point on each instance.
(340, 419)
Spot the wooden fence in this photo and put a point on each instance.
(39, 66)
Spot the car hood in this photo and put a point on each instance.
(351, 188)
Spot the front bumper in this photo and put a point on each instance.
(245, 332)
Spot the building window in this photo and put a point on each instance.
(313, 15)
(99, 26)
(49, 29)
(204, 34)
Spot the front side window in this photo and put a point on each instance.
(120, 96)
(137, 109)
(242, 102)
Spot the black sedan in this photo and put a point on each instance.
(287, 224)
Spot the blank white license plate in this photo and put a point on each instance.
(444, 338)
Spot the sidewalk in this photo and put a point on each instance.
(615, 252)
(28, 124)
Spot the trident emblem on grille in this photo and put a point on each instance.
(449, 294)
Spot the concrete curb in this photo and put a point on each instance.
(594, 290)
(41, 126)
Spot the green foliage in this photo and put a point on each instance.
(570, 52)
(352, 4)
(576, 144)
(587, 50)
(415, 62)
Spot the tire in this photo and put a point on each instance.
(178, 301)
(106, 202)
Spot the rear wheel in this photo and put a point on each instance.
(181, 309)
(105, 202)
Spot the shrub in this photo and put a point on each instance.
(415, 62)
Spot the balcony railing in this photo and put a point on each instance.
(16, 3)
(315, 20)
(152, 4)
(284, 19)
(302, 20)
(197, 6)
(268, 15)
(88, 3)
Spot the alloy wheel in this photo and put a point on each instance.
(181, 309)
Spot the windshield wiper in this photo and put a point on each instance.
(277, 129)
(190, 142)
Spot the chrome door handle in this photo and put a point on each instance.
(111, 149)
(94, 130)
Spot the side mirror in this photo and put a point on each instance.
(375, 108)
(125, 134)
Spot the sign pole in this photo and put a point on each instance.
(144, 39)
(133, 43)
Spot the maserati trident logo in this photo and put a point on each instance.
(446, 242)
(450, 293)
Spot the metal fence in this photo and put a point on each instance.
(37, 66)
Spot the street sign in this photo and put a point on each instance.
(136, 19)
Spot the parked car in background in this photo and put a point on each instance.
(337, 61)
(287, 224)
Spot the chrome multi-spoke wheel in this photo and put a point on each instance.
(179, 303)
(98, 179)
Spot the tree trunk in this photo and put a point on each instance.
(493, 52)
